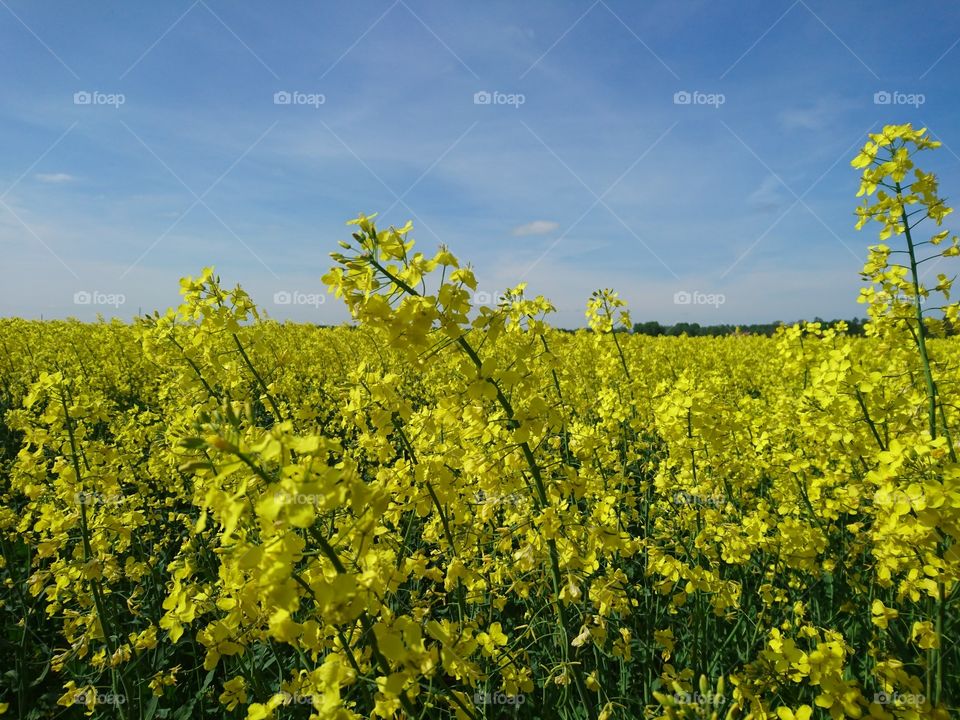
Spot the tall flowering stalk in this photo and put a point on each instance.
(900, 196)
(897, 296)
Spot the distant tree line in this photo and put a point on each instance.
(938, 328)
(855, 326)
(654, 328)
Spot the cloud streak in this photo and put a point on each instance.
(54, 178)
(536, 227)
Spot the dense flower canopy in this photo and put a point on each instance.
(459, 511)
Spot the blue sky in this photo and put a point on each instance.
(587, 167)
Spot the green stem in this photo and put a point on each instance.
(256, 375)
(921, 329)
(921, 338)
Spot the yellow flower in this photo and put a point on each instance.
(234, 692)
(801, 713)
(882, 615)
(666, 640)
(924, 634)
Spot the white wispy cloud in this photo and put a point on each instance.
(54, 177)
(537, 227)
(818, 115)
(768, 196)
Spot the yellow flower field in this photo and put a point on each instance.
(449, 511)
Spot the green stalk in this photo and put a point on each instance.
(921, 338)
(921, 329)
(259, 379)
